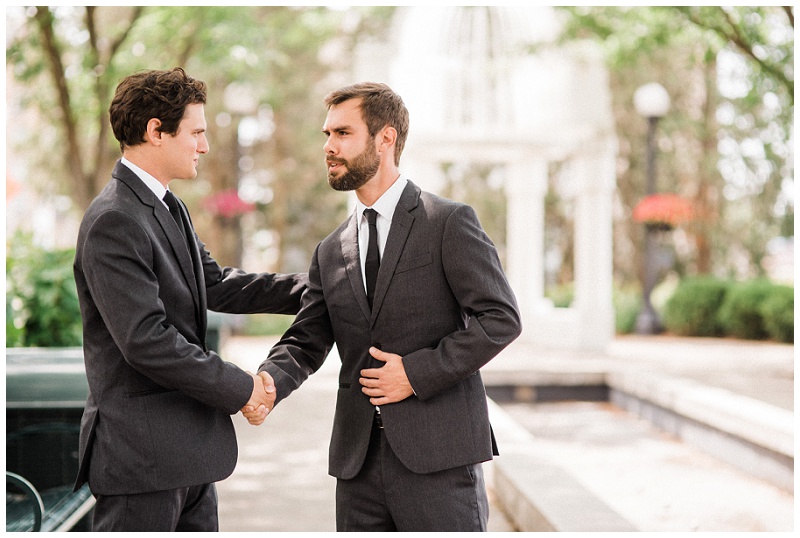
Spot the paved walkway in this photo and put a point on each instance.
(281, 481)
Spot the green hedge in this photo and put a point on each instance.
(777, 311)
(753, 310)
(692, 310)
(740, 314)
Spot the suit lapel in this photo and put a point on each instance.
(352, 263)
(198, 274)
(402, 220)
(178, 244)
(187, 264)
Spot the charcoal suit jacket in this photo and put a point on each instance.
(159, 405)
(442, 302)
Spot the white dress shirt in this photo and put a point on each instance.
(152, 183)
(384, 206)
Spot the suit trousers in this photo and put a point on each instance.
(386, 496)
(182, 510)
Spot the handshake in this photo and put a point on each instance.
(262, 400)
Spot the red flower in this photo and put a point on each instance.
(227, 204)
(664, 209)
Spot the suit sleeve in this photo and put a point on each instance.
(305, 345)
(117, 261)
(238, 292)
(476, 278)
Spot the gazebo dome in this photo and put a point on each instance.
(461, 62)
(494, 72)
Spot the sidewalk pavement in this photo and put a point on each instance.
(281, 481)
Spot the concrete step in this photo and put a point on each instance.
(753, 435)
(590, 466)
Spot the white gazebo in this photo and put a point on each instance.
(487, 84)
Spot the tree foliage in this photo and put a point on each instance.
(726, 142)
(68, 75)
(41, 297)
(267, 68)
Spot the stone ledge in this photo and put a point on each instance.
(538, 495)
(756, 422)
(752, 435)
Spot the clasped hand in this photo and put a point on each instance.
(262, 400)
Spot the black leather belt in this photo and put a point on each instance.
(378, 420)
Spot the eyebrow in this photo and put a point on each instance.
(337, 128)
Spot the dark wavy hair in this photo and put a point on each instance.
(152, 94)
(380, 107)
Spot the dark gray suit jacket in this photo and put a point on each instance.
(442, 302)
(159, 406)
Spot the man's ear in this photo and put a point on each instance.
(386, 139)
(153, 134)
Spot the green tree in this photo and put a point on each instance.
(726, 143)
(67, 75)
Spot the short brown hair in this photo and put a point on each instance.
(380, 107)
(152, 94)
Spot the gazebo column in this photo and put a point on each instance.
(526, 186)
(593, 301)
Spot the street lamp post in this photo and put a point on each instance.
(651, 101)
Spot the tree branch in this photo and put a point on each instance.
(739, 40)
(74, 160)
(102, 90)
(733, 35)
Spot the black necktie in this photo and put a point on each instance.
(373, 261)
(187, 232)
(172, 203)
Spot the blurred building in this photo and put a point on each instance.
(488, 85)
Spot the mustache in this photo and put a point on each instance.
(336, 160)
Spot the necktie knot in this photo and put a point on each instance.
(172, 204)
(371, 215)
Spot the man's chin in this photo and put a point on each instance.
(338, 182)
(338, 185)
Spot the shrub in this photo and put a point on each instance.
(41, 298)
(777, 310)
(561, 295)
(627, 303)
(693, 309)
(740, 314)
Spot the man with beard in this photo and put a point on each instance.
(411, 291)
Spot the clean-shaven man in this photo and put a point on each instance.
(156, 431)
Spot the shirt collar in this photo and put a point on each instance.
(152, 183)
(386, 204)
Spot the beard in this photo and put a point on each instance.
(362, 168)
